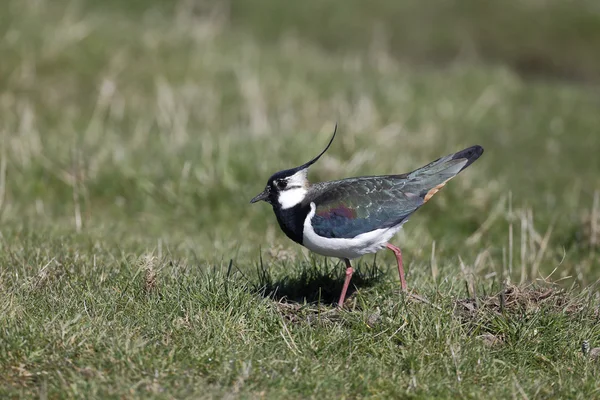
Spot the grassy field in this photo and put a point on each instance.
(133, 137)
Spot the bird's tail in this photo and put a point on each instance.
(428, 180)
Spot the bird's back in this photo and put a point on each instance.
(350, 207)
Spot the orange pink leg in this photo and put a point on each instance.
(350, 271)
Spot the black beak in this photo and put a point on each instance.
(264, 195)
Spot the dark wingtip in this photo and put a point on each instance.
(471, 154)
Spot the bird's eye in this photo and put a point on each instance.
(281, 184)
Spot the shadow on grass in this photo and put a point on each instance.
(312, 282)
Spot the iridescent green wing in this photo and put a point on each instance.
(354, 206)
(347, 208)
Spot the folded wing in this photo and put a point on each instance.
(347, 208)
(359, 205)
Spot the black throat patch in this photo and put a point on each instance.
(291, 220)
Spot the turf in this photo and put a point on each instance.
(132, 266)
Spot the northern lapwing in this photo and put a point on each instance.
(356, 216)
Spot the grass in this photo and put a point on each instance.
(131, 141)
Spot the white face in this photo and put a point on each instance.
(295, 190)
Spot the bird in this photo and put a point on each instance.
(351, 217)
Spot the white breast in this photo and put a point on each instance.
(365, 243)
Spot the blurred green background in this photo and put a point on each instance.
(139, 130)
(158, 120)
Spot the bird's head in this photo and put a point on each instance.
(287, 188)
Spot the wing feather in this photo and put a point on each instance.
(347, 208)
(354, 206)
